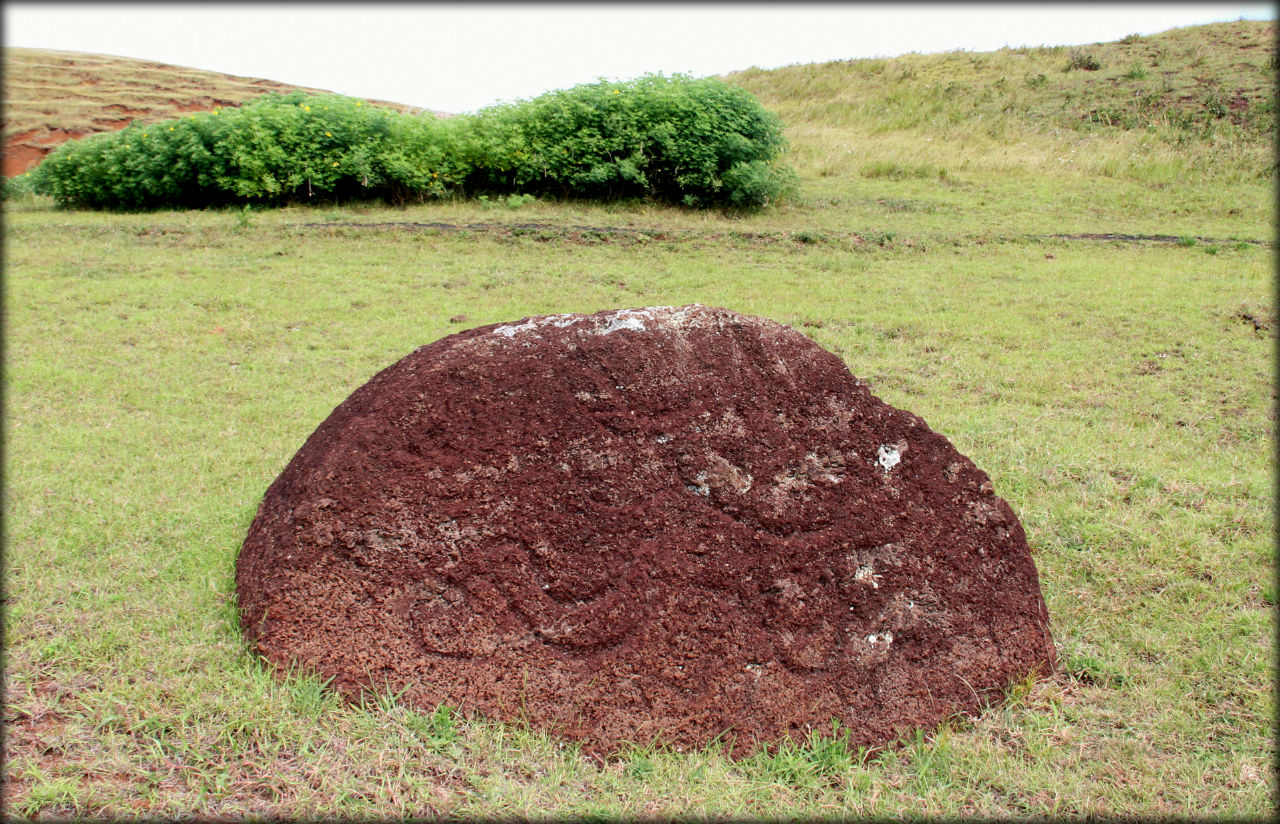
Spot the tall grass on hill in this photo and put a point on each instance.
(1191, 102)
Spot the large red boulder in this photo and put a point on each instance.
(670, 523)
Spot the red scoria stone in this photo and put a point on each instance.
(670, 523)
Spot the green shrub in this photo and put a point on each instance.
(278, 148)
(1084, 61)
(1214, 106)
(673, 139)
(676, 139)
(19, 187)
(172, 163)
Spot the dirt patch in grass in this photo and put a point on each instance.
(1261, 318)
(1179, 239)
(590, 235)
(574, 233)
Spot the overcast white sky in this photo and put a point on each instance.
(461, 57)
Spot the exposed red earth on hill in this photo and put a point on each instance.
(55, 96)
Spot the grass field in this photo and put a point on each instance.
(161, 369)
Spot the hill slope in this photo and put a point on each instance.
(52, 96)
(1197, 100)
(1190, 101)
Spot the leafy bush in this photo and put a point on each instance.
(1084, 61)
(18, 187)
(276, 149)
(674, 139)
(697, 142)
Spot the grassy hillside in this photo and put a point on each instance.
(51, 96)
(1084, 305)
(1198, 100)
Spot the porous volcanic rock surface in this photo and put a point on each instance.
(670, 522)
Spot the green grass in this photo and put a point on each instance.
(1201, 107)
(161, 369)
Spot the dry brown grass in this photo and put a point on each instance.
(53, 96)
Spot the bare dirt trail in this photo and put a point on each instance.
(609, 234)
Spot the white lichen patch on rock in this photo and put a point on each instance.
(648, 318)
(510, 330)
(632, 319)
(888, 456)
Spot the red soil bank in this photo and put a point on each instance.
(663, 522)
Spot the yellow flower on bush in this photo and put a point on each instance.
(328, 134)
(335, 163)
